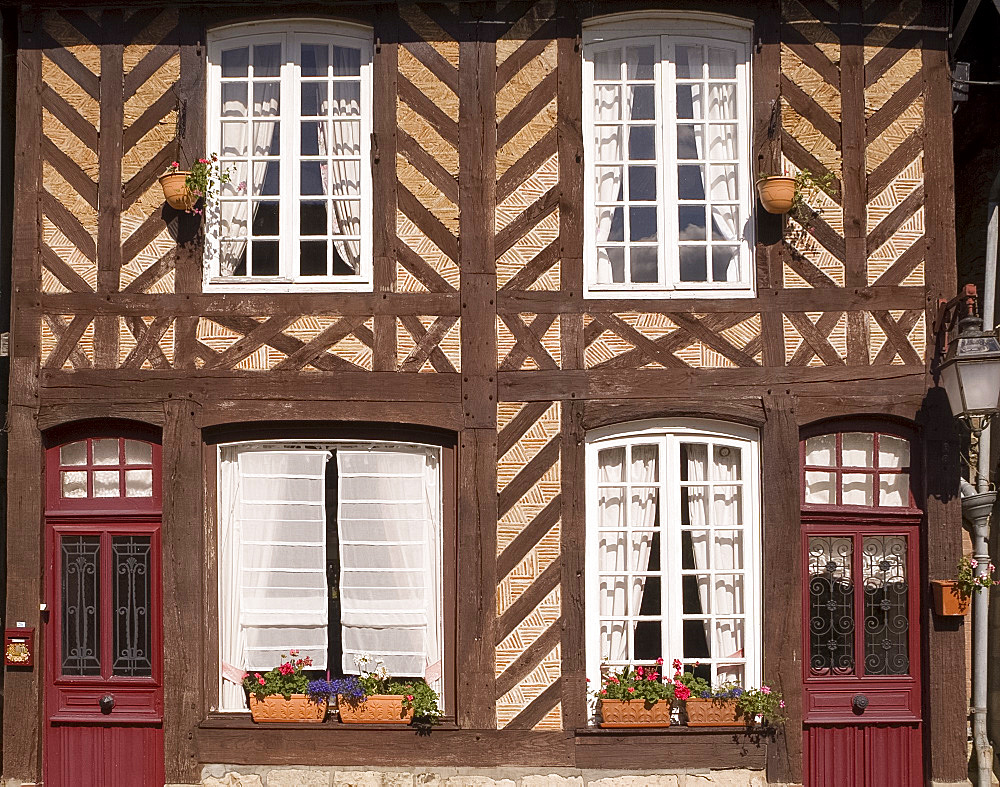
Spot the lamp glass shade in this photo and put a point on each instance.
(972, 378)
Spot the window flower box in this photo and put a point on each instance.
(949, 601)
(713, 713)
(374, 709)
(297, 708)
(635, 713)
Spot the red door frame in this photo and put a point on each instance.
(75, 726)
(888, 733)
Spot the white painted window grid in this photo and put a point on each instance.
(668, 436)
(630, 213)
(348, 194)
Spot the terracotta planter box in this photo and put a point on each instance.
(947, 600)
(175, 192)
(298, 708)
(635, 713)
(776, 193)
(713, 713)
(376, 709)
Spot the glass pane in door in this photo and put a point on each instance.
(80, 598)
(886, 611)
(130, 571)
(831, 606)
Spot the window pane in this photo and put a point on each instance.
(642, 224)
(234, 219)
(641, 143)
(315, 60)
(821, 450)
(692, 263)
(689, 62)
(641, 182)
(138, 453)
(234, 99)
(312, 133)
(608, 140)
(610, 225)
(266, 60)
(132, 651)
(648, 645)
(857, 489)
(729, 638)
(312, 218)
(639, 60)
(346, 258)
(610, 511)
(107, 483)
(234, 139)
(610, 265)
(138, 483)
(266, 178)
(893, 452)
(820, 488)
(234, 62)
(642, 105)
(725, 263)
(886, 624)
(691, 222)
(80, 563)
(234, 259)
(608, 64)
(645, 265)
(727, 463)
(265, 218)
(266, 98)
(314, 99)
(346, 138)
(857, 449)
(728, 549)
(73, 453)
(831, 606)
(690, 102)
(696, 639)
(346, 61)
(313, 180)
(721, 63)
(728, 598)
(694, 549)
(266, 139)
(649, 590)
(265, 258)
(894, 489)
(690, 182)
(73, 483)
(722, 102)
(105, 452)
(690, 142)
(607, 103)
(695, 596)
(346, 101)
(312, 258)
(694, 461)
(727, 506)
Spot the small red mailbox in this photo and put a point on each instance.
(19, 647)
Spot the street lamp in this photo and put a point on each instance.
(970, 370)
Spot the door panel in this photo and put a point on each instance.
(862, 710)
(104, 695)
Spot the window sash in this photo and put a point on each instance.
(667, 203)
(291, 38)
(746, 571)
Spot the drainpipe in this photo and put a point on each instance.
(977, 505)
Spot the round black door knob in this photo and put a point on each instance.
(107, 702)
(860, 702)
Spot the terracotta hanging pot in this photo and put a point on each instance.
(635, 713)
(777, 193)
(713, 713)
(175, 190)
(948, 600)
(375, 709)
(298, 708)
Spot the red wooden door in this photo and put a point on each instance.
(103, 652)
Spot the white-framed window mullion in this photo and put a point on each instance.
(291, 103)
(667, 165)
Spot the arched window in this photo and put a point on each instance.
(673, 531)
(103, 473)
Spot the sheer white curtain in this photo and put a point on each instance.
(722, 145)
(625, 551)
(389, 518)
(607, 109)
(265, 98)
(272, 559)
(346, 138)
(696, 461)
(728, 595)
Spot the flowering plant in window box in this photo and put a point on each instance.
(282, 694)
(761, 706)
(703, 705)
(954, 596)
(183, 188)
(635, 697)
(375, 697)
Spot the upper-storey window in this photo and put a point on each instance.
(668, 188)
(870, 469)
(289, 111)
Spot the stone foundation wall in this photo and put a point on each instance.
(284, 776)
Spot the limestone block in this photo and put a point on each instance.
(233, 779)
(650, 780)
(727, 778)
(550, 780)
(298, 778)
(476, 781)
(372, 779)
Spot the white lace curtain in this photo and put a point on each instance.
(626, 551)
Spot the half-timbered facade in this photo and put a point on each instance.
(507, 254)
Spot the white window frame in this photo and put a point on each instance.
(668, 29)
(326, 445)
(290, 33)
(669, 433)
